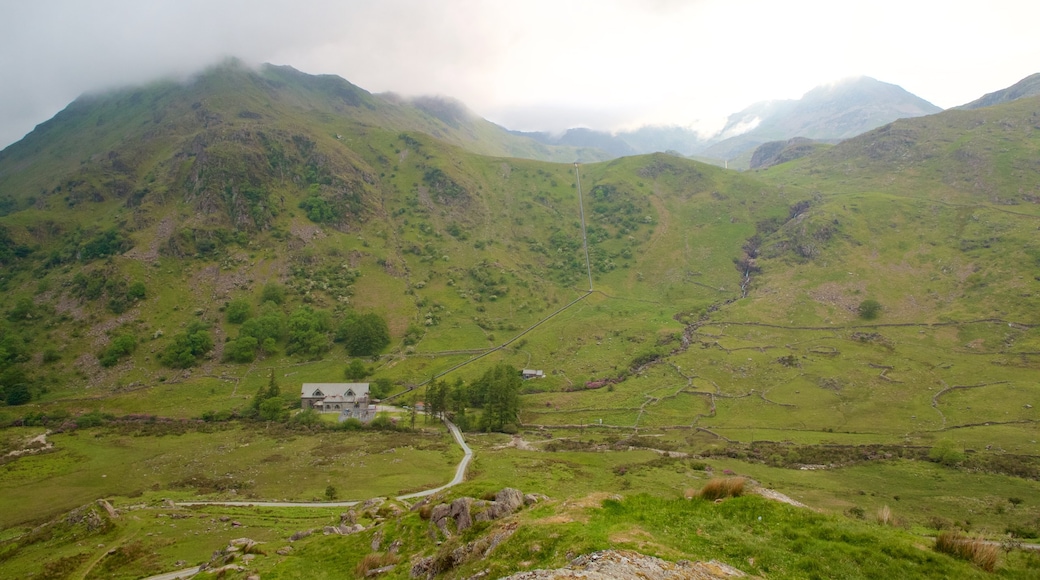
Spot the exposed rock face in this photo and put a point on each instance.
(627, 565)
(466, 510)
(444, 561)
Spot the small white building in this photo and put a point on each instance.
(334, 397)
(531, 374)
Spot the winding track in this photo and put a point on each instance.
(460, 474)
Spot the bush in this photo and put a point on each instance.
(721, 488)
(241, 350)
(869, 309)
(946, 453)
(273, 292)
(975, 550)
(356, 371)
(238, 311)
(120, 347)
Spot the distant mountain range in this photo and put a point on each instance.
(827, 113)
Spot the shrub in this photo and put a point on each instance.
(238, 311)
(856, 512)
(721, 488)
(975, 550)
(869, 309)
(120, 347)
(946, 453)
(273, 292)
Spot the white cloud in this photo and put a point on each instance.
(609, 63)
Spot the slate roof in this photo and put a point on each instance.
(333, 390)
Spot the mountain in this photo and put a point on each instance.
(1027, 87)
(648, 139)
(826, 113)
(854, 329)
(287, 93)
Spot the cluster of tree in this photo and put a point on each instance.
(15, 382)
(121, 295)
(10, 250)
(187, 347)
(77, 247)
(496, 393)
(267, 404)
(306, 332)
(119, 347)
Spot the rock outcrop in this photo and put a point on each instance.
(627, 565)
(464, 511)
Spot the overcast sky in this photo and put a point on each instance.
(526, 64)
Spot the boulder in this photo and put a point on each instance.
(375, 502)
(300, 535)
(108, 508)
(460, 512)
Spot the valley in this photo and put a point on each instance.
(855, 329)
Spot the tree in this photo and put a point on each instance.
(271, 391)
(869, 309)
(356, 371)
(500, 387)
(380, 388)
(330, 493)
(363, 334)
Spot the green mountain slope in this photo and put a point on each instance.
(1027, 87)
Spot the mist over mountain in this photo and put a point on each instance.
(827, 113)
